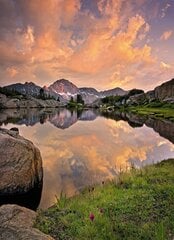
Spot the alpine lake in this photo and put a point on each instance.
(86, 147)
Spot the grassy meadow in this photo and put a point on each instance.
(139, 204)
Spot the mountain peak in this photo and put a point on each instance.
(27, 88)
(30, 83)
(63, 86)
(63, 81)
(115, 91)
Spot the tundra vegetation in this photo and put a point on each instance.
(138, 204)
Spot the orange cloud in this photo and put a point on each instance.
(55, 39)
(24, 40)
(12, 71)
(165, 65)
(69, 10)
(103, 49)
(166, 35)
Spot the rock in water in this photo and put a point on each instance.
(16, 223)
(20, 164)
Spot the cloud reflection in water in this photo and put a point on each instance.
(89, 151)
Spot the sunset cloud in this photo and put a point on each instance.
(12, 71)
(116, 49)
(24, 39)
(100, 43)
(165, 65)
(166, 35)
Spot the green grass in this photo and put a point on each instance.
(137, 205)
(166, 112)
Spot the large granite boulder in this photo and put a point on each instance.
(20, 163)
(165, 91)
(12, 103)
(3, 99)
(16, 223)
(136, 99)
(6, 102)
(150, 95)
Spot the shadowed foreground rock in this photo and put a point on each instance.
(16, 223)
(20, 164)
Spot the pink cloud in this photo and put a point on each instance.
(58, 39)
(166, 35)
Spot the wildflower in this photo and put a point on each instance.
(101, 210)
(91, 217)
(91, 189)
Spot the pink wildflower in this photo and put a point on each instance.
(91, 216)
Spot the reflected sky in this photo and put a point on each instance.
(89, 152)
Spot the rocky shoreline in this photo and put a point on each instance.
(16, 223)
(27, 102)
(21, 176)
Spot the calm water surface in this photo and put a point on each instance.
(82, 148)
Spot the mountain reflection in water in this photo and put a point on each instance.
(80, 148)
(60, 118)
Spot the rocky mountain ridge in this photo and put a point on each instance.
(64, 90)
